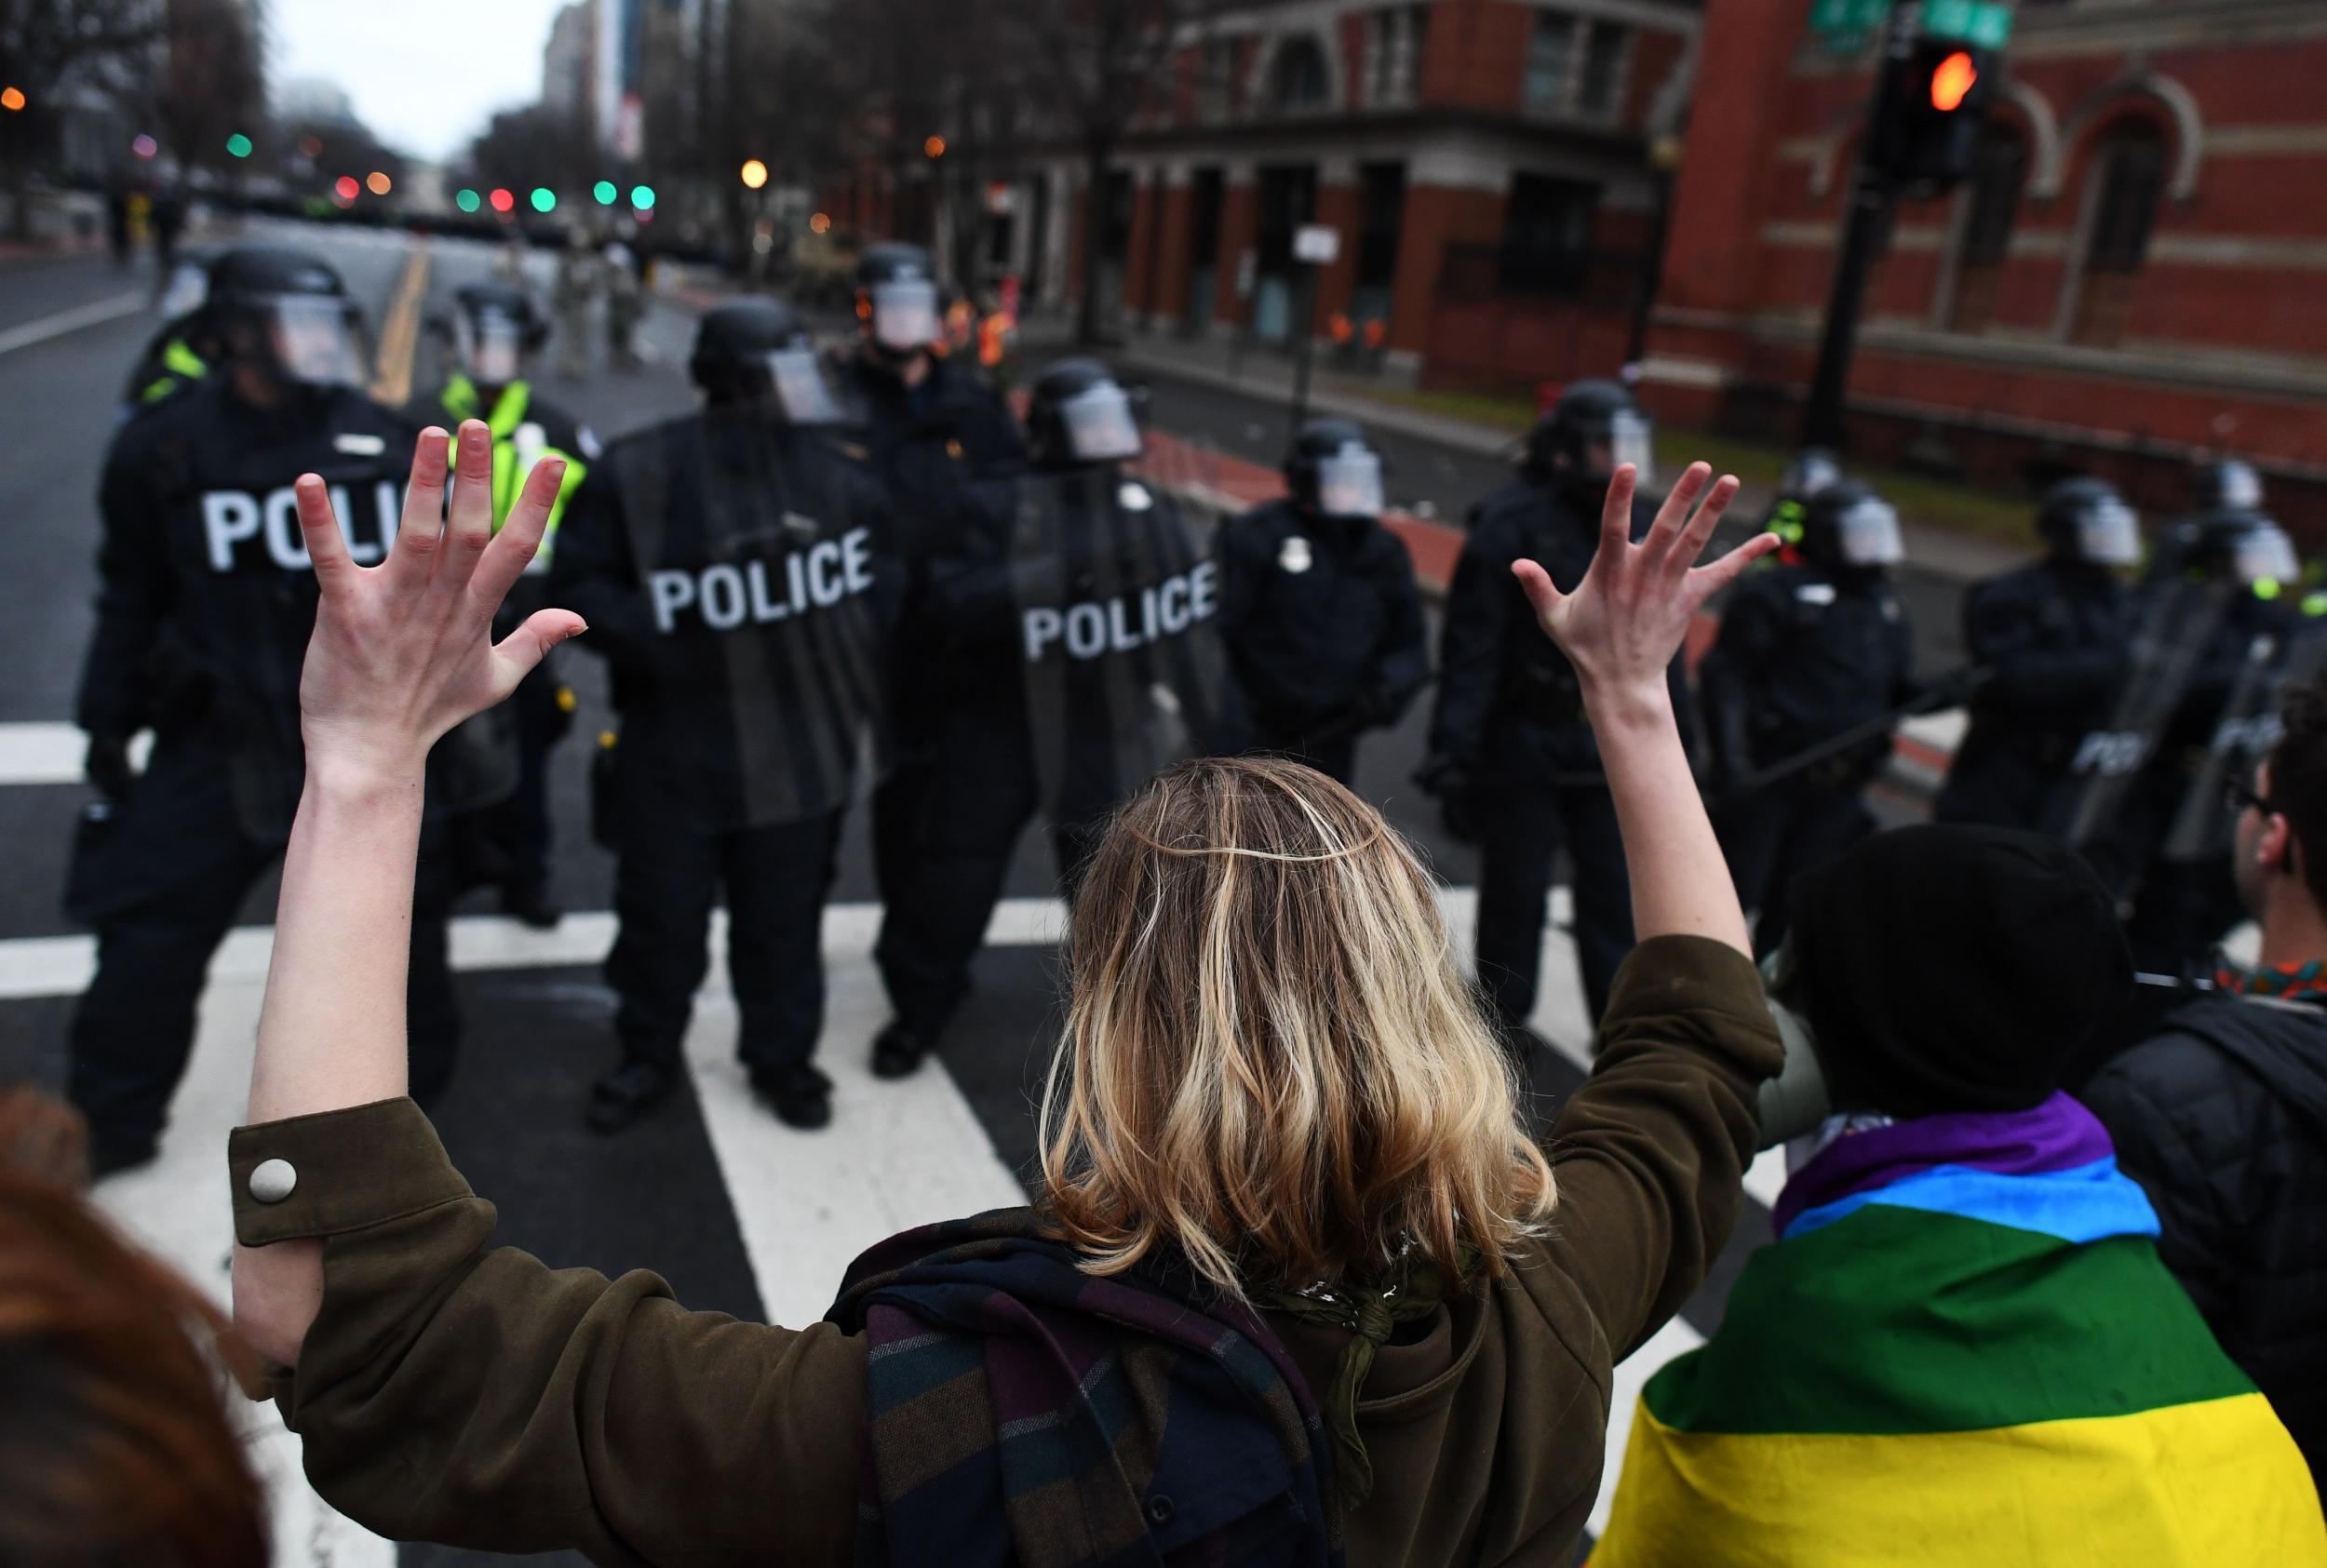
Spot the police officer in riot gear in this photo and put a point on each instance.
(1059, 632)
(2052, 638)
(2242, 568)
(203, 615)
(1511, 754)
(1319, 611)
(495, 332)
(1807, 472)
(949, 452)
(1805, 655)
(731, 565)
(2219, 488)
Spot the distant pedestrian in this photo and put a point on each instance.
(579, 281)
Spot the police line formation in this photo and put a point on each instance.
(838, 558)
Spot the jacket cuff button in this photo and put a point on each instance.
(272, 1180)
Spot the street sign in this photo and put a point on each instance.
(1317, 243)
(1844, 26)
(1985, 22)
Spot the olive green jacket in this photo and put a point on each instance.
(453, 1393)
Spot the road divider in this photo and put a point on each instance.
(399, 331)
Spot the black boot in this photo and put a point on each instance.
(630, 1094)
(897, 1051)
(800, 1095)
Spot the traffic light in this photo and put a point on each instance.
(1936, 99)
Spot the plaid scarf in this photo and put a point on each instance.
(1022, 1414)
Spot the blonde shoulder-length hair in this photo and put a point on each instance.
(1272, 1062)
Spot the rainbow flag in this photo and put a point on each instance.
(1962, 1350)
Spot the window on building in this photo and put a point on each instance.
(1393, 53)
(2130, 164)
(1602, 87)
(1381, 218)
(1547, 234)
(1999, 171)
(1298, 77)
(1551, 62)
(1214, 82)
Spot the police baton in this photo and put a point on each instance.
(1949, 690)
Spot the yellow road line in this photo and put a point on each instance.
(399, 335)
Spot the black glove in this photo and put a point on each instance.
(1455, 789)
(107, 767)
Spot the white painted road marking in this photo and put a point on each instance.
(73, 320)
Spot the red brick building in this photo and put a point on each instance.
(2135, 277)
(1488, 163)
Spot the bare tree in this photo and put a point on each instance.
(1102, 64)
(214, 81)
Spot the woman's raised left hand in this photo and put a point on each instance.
(403, 652)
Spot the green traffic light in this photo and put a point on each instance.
(468, 201)
(545, 199)
(605, 192)
(238, 145)
(642, 198)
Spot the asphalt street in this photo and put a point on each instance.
(739, 1213)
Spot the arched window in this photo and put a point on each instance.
(1999, 171)
(1298, 77)
(2129, 166)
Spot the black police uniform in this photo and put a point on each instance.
(1323, 625)
(1511, 745)
(206, 603)
(735, 574)
(1805, 653)
(2052, 638)
(949, 452)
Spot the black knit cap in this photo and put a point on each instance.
(1949, 968)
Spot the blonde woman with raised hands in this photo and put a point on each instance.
(1297, 1285)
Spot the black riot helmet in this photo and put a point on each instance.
(1807, 472)
(1334, 471)
(896, 300)
(1593, 428)
(1846, 527)
(1080, 414)
(495, 325)
(2246, 547)
(755, 351)
(286, 313)
(2084, 520)
(2229, 485)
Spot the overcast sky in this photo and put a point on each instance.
(424, 74)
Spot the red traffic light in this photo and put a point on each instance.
(347, 187)
(1952, 81)
(503, 199)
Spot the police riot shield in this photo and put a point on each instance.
(2173, 635)
(1115, 597)
(763, 560)
(2249, 727)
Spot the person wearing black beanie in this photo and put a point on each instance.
(1953, 968)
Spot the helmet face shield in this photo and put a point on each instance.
(1631, 439)
(799, 388)
(490, 345)
(2236, 488)
(1807, 475)
(1349, 483)
(2108, 533)
(903, 314)
(2264, 555)
(1867, 535)
(1099, 425)
(189, 291)
(312, 340)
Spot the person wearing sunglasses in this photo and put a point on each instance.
(2222, 1114)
